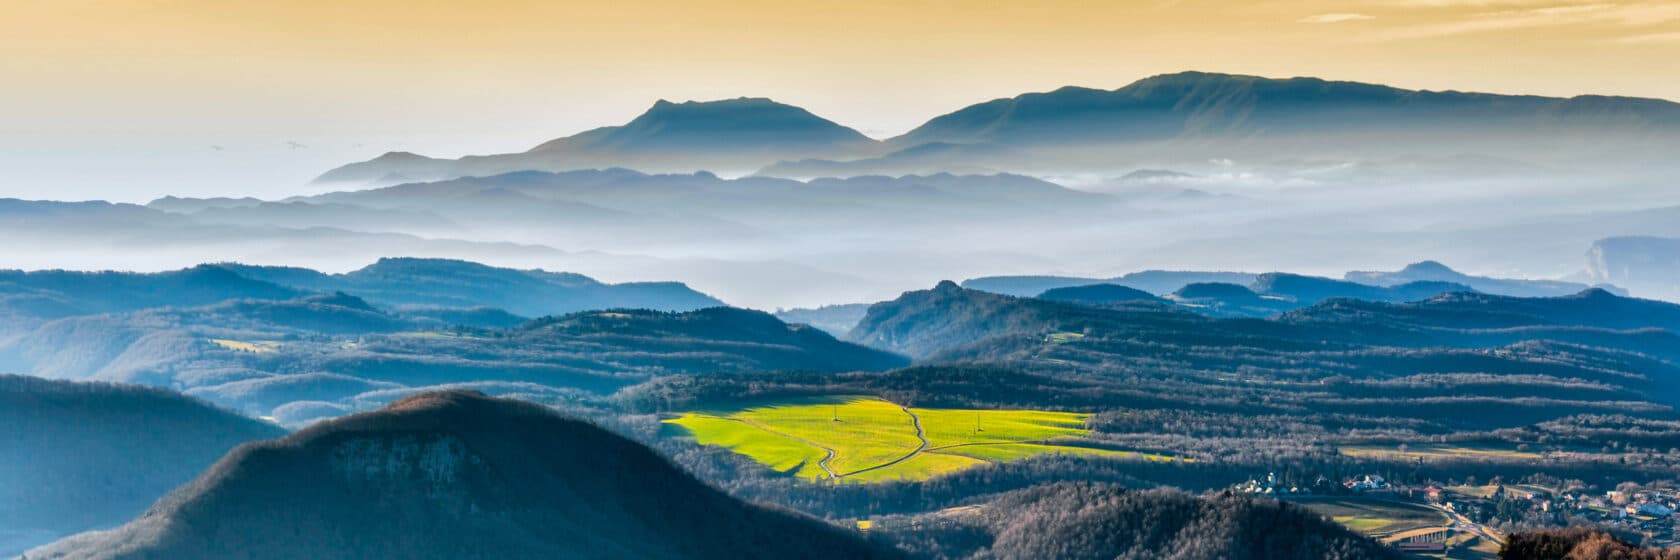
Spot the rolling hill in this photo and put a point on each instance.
(463, 284)
(428, 284)
(1445, 361)
(320, 356)
(457, 475)
(1100, 521)
(52, 294)
(1097, 294)
(80, 456)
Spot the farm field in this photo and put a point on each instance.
(866, 439)
(1438, 451)
(1374, 517)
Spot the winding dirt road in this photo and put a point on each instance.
(914, 421)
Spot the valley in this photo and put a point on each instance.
(950, 280)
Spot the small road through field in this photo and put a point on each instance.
(823, 463)
(914, 421)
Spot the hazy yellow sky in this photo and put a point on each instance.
(353, 78)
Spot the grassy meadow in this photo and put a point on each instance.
(866, 439)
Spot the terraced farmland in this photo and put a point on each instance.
(865, 439)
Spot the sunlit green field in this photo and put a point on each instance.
(865, 439)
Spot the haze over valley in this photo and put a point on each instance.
(951, 280)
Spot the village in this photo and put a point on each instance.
(1463, 519)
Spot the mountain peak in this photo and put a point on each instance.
(1428, 267)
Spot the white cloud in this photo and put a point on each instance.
(1601, 13)
(1336, 18)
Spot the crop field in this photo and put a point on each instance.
(865, 439)
(1438, 451)
(1375, 517)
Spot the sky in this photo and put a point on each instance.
(128, 100)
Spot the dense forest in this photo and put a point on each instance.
(76, 456)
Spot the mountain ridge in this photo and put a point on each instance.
(456, 474)
(742, 133)
(1160, 108)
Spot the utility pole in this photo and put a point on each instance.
(836, 413)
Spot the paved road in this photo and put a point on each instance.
(1463, 523)
(914, 421)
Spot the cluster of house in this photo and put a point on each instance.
(1269, 486)
(1367, 483)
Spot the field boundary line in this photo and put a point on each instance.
(914, 421)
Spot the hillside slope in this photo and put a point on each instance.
(457, 475)
(1075, 521)
(454, 283)
(76, 456)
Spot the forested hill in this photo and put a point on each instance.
(321, 356)
(1448, 362)
(453, 283)
(948, 317)
(1577, 543)
(1104, 521)
(458, 475)
(59, 441)
(432, 283)
(61, 293)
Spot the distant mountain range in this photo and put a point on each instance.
(462, 284)
(728, 135)
(1431, 271)
(1446, 360)
(1192, 105)
(1247, 294)
(55, 294)
(458, 475)
(1181, 116)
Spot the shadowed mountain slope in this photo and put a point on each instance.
(457, 475)
(1076, 521)
(1446, 361)
(76, 456)
(61, 293)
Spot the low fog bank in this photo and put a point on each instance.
(772, 243)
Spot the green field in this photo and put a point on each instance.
(865, 439)
(1375, 517)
